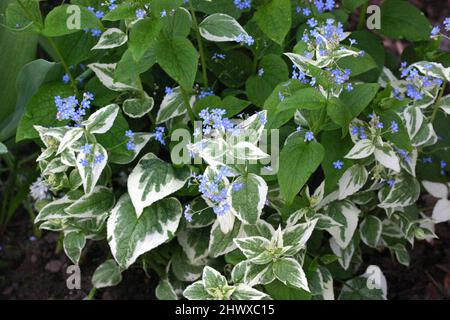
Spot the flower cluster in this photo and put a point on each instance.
(436, 31)
(214, 119)
(205, 93)
(245, 39)
(71, 109)
(417, 84)
(159, 135)
(130, 143)
(243, 4)
(324, 38)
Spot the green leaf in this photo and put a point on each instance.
(196, 291)
(173, 105)
(259, 87)
(107, 275)
(73, 243)
(351, 5)
(339, 113)
(252, 247)
(102, 120)
(279, 291)
(3, 149)
(64, 20)
(300, 160)
(105, 73)
(402, 20)
(405, 192)
(221, 243)
(345, 213)
(178, 23)
(195, 243)
(178, 58)
(143, 36)
(153, 179)
(362, 149)
(128, 69)
(249, 201)
(24, 16)
(129, 236)
(41, 110)
(370, 230)
(290, 272)
(359, 98)
(220, 28)
(212, 279)
(274, 19)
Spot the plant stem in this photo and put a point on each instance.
(64, 64)
(200, 45)
(91, 294)
(362, 17)
(188, 106)
(436, 104)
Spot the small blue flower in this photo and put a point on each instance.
(218, 56)
(280, 96)
(427, 160)
(96, 32)
(447, 24)
(66, 78)
(84, 162)
(99, 14)
(349, 87)
(352, 41)
(262, 118)
(86, 148)
(168, 90)
(33, 238)
(394, 127)
(311, 22)
(159, 135)
(306, 12)
(338, 164)
(131, 145)
(163, 13)
(245, 39)
(443, 164)
(379, 125)
(186, 213)
(260, 72)
(99, 158)
(129, 134)
(309, 136)
(237, 186)
(140, 13)
(242, 4)
(435, 31)
(391, 182)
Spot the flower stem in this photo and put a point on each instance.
(200, 45)
(436, 104)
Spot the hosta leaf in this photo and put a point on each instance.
(352, 181)
(107, 274)
(73, 243)
(90, 168)
(220, 27)
(300, 159)
(249, 201)
(153, 179)
(111, 38)
(290, 272)
(370, 230)
(129, 236)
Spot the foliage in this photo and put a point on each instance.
(160, 134)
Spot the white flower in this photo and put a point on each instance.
(39, 190)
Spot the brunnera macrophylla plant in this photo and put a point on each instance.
(160, 124)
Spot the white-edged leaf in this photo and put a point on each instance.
(102, 120)
(441, 211)
(212, 279)
(404, 192)
(105, 73)
(297, 236)
(101, 200)
(290, 272)
(245, 150)
(345, 254)
(91, 172)
(153, 179)
(111, 38)
(130, 236)
(437, 190)
(245, 292)
(386, 156)
(195, 243)
(69, 138)
(173, 105)
(73, 244)
(345, 213)
(352, 180)
(220, 27)
(413, 120)
(107, 275)
(362, 149)
(137, 108)
(196, 291)
(221, 243)
(249, 200)
(165, 291)
(370, 230)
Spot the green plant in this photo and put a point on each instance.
(186, 180)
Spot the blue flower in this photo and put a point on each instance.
(129, 134)
(168, 90)
(349, 87)
(391, 182)
(237, 186)
(435, 31)
(362, 133)
(205, 93)
(99, 14)
(352, 41)
(159, 135)
(140, 13)
(163, 13)
(262, 118)
(309, 136)
(218, 56)
(99, 158)
(427, 160)
(338, 164)
(186, 213)
(244, 39)
(447, 24)
(306, 12)
(66, 78)
(260, 72)
(96, 32)
(84, 162)
(280, 96)
(311, 22)
(379, 125)
(131, 145)
(394, 127)
(86, 148)
(242, 4)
